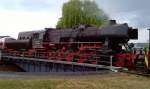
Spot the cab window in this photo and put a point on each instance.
(36, 36)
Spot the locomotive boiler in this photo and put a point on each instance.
(112, 35)
(82, 44)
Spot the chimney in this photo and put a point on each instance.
(112, 22)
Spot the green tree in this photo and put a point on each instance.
(76, 12)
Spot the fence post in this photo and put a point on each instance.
(111, 57)
(0, 54)
(111, 65)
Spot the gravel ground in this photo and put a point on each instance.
(45, 75)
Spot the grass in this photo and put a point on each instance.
(121, 81)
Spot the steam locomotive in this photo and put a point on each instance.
(81, 44)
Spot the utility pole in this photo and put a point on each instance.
(148, 53)
(149, 39)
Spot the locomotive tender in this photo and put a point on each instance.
(82, 44)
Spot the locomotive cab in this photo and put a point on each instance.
(35, 38)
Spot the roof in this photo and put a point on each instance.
(3, 36)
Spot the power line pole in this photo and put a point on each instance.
(149, 38)
(149, 53)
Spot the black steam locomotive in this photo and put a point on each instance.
(80, 44)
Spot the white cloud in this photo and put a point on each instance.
(143, 36)
(12, 22)
(24, 15)
(31, 5)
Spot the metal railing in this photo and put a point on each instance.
(109, 62)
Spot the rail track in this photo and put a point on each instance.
(137, 72)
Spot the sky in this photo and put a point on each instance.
(25, 15)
